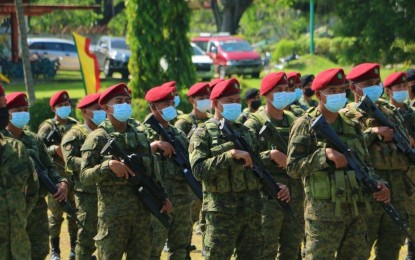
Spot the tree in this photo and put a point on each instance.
(157, 30)
(229, 13)
(109, 9)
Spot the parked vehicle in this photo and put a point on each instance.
(113, 55)
(203, 63)
(60, 51)
(231, 55)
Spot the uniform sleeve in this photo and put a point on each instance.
(94, 167)
(71, 147)
(46, 160)
(204, 165)
(302, 158)
(43, 132)
(263, 152)
(182, 125)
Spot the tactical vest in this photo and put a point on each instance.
(339, 186)
(132, 141)
(191, 119)
(235, 179)
(32, 147)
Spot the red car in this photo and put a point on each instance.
(231, 55)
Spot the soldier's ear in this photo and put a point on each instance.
(352, 87)
(318, 94)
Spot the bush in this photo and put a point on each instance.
(286, 47)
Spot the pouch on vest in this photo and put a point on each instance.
(338, 194)
(320, 185)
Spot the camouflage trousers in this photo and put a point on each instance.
(281, 234)
(38, 230)
(336, 239)
(56, 216)
(410, 201)
(86, 203)
(14, 241)
(177, 236)
(129, 234)
(236, 232)
(382, 230)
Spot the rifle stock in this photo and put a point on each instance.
(51, 188)
(150, 192)
(361, 170)
(181, 157)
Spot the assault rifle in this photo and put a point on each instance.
(269, 132)
(181, 157)
(361, 170)
(150, 192)
(259, 169)
(51, 188)
(399, 137)
(54, 137)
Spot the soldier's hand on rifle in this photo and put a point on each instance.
(336, 157)
(120, 169)
(383, 194)
(166, 147)
(384, 131)
(167, 207)
(284, 193)
(242, 155)
(58, 151)
(279, 158)
(411, 141)
(62, 193)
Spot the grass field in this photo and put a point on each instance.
(72, 82)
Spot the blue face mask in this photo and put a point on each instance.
(63, 112)
(98, 116)
(373, 92)
(122, 111)
(168, 113)
(281, 99)
(298, 93)
(335, 102)
(176, 101)
(20, 119)
(231, 111)
(400, 96)
(203, 105)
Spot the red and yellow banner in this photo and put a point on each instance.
(89, 64)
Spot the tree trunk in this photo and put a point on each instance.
(231, 14)
(110, 11)
(217, 14)
(28, 78)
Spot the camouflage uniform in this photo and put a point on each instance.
(305, 104)
(390, 165)
(15, 169)
(230, 194)
(124, 224)
(334, 221)
(296, 109)
(85, 195)
(181, 197)
(56, 217)
(280, 233)
(37, 224)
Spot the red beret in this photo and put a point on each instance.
(59, 97)
(119, 89)
(225, 88)
(328, 77)
(364, 71)
(395, 79)
(170, 84)
(271, 80)
(159, 94)
(214, 82)
(199, 89)
(1, 90)
(89, 100)
(16, 99)
(293, 78)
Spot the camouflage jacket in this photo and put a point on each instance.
(331, 194)
(305, 104)
(48, 126)
(116, 196)
(15, 169)
(71, 145)
(188, 123)
(35, 146)
(267, 143)
(170, 172)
